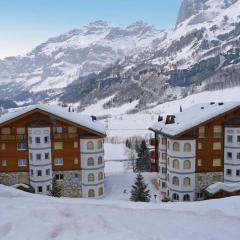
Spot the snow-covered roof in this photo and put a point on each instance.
(220, 186)
(75, 117)
(193, 116)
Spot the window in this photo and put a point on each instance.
(186, 181)
(164, 170)
(57, 130)
(100, 191)
(176, 147)
(46, 139)
(199, 162)
(4, 163)
(91, 193)
(48, 188)
(238, 156)
(76, 175)
(100, 176)
(37, 140)
(22, 162)
(2, 146)
(201, 132)
(32, 173)
(229, 138)
(100, 160)
(58, 161)
(175, 164)
(168, 161)
(76, 161)
(229, 155)
(20, 131)
(238, 139)
(91, 177)
(217, 146)
(99, 144)
(217, 131)
(39, 189)
(75, 144)
(164, 156)
(187, 164)
(21, 146)
(217, 163)
(38, 156)
(39, 173)
(187, 147)
(175, 197)
(90, 162)
(30, 140)
(175, 181)
(186, 198)
(168, 145)
(59, 177)
(199, 196)
(5, 131)
(164, 185)
(238, 172)
(58, 145)
(72, 130)
(46, 155)
(90, 145)
(164, 141)
(229, 172)
(30, 156)
(200, 146)
(47, 172)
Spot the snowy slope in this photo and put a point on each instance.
(26, 216)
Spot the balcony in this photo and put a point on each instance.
(11, 137)
(154, 155)
(65, 136)
(154, 142)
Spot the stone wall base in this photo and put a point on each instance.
(11, 178)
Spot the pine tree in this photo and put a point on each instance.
(56, 190)
(139, 192)
(144, 161)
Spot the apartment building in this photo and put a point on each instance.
(196, 148)
(43, 141)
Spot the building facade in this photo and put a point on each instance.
(42, 142)
(197, 148)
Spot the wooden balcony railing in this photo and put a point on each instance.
(65, 136)
(13, 137)
(154, 142)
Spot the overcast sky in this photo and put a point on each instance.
(26, 23)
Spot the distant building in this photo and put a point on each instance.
(43, 141)
(196, 148)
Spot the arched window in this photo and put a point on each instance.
(100, 176)
(90, 145)
(99, 144)
(187, 164)
(175, 164)
(175, 197)
(175, 181)
(187, 147)
(186, 181)
(176, 147)
(90, 162)
(91, 177)
(186, 198)
(100, 160)
(91, 193)
(100, 191)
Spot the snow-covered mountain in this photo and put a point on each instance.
(62, 59)
(138, 63)
(201, 53)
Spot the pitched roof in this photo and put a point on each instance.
(74, 117)
(193, 116)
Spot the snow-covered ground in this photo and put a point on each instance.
(25, 216)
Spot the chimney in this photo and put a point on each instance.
(94, 118)
(170, 119)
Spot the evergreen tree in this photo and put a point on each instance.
(139, 192)
(143, 161)
(56, 190)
